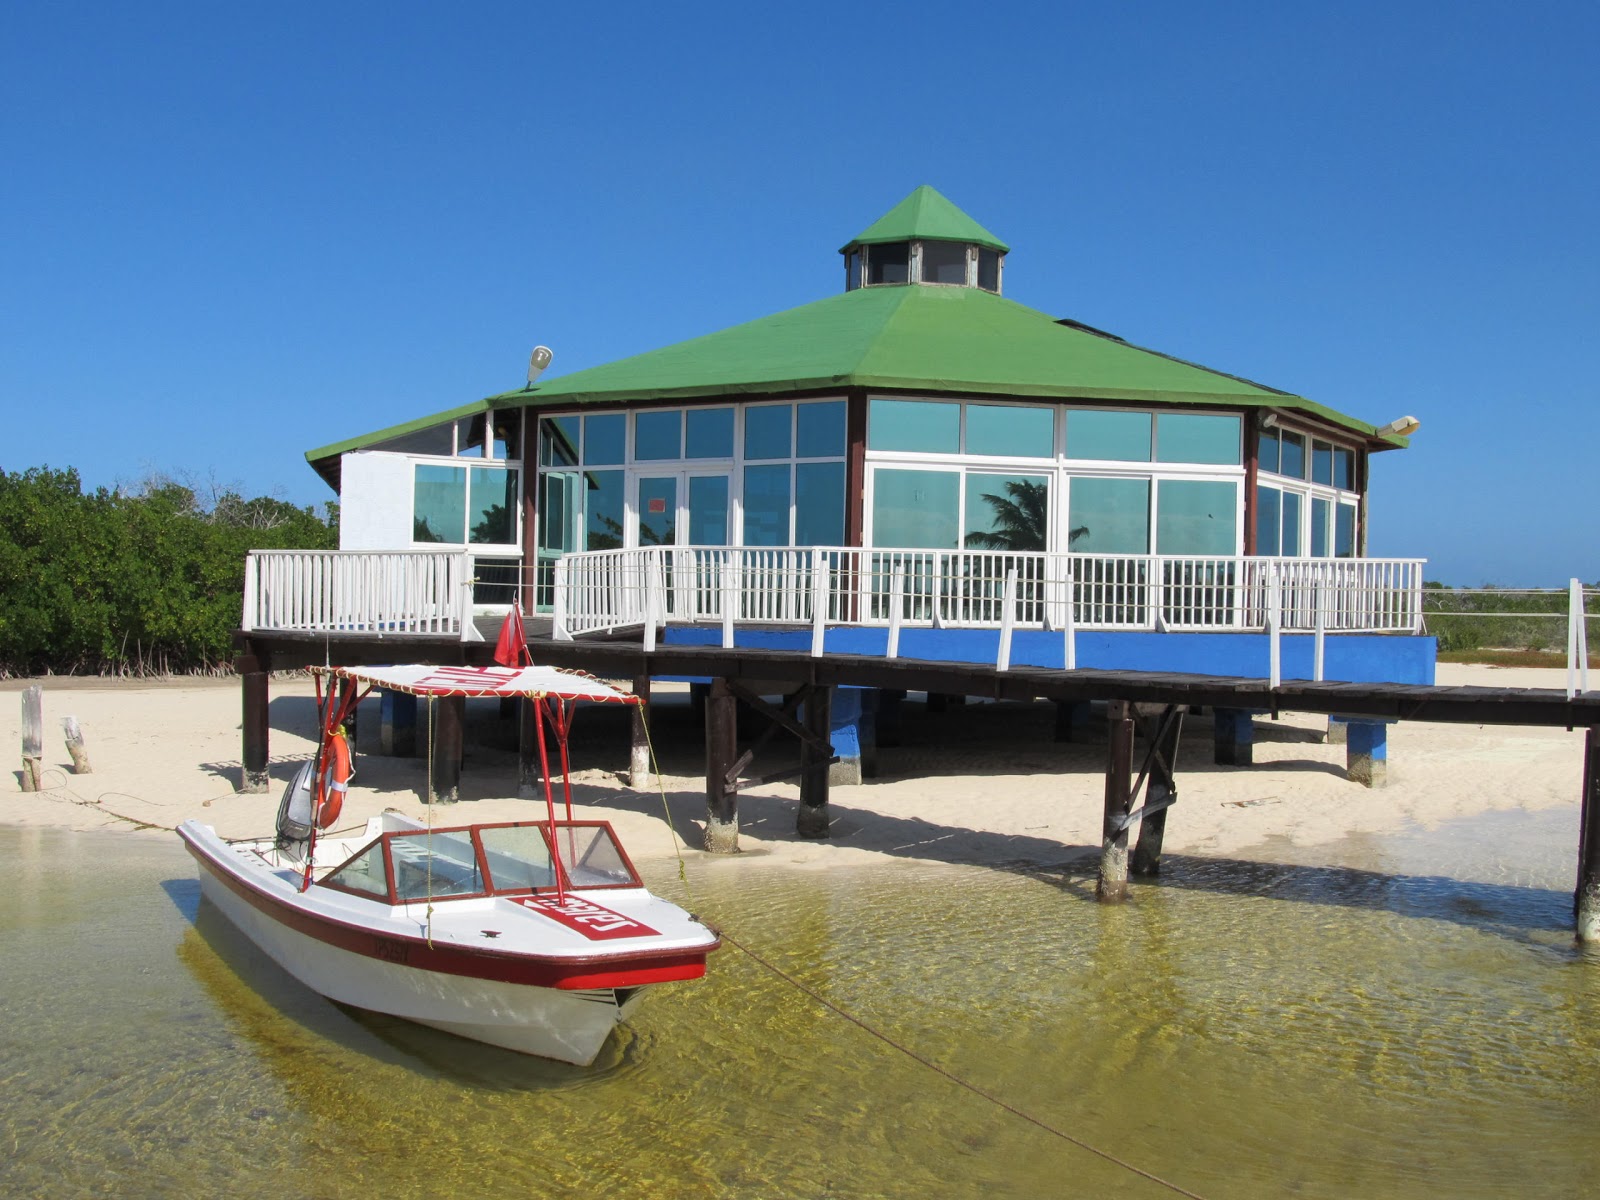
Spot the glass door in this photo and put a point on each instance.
(655, 511)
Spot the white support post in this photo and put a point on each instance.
(730, 595)
(1008, 620)
(1069, 626)
(468, 629)
(1274, 619)
(558, 614)
(248, 622)
(654, 586)
(819, 602)
(1320, 646)
(897, 608)
(1577, 641)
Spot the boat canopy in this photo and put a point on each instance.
(535, 682)
(513, 858)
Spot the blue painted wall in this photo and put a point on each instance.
(1350, 657)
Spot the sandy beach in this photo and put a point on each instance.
(982, 783)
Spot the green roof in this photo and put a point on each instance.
(926, 214)
(931, 340)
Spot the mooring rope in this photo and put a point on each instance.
(683, 877)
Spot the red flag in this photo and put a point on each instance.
(511, 647)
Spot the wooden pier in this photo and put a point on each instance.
(1151, 702)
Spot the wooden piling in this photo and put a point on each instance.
(529, 780)
(449, 716)
(1162, 790)
(812, 819)
(722, 800)
(1586, 902)
(639, 748)
(32, 737)
(73, 733)
(253, 777)
(1112, 885)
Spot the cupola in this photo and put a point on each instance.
(924, 240)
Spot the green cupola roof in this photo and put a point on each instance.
(925, 214)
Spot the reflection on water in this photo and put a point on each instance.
(1351, 1024)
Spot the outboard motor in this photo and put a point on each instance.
(294, 811)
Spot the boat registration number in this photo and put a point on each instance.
(594, 921)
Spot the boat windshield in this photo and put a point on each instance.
(485, 860)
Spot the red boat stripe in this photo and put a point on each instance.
(574, 973)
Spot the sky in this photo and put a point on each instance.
(237, 232)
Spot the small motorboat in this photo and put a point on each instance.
(538, 936)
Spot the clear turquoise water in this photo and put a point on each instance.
(1354, 1024)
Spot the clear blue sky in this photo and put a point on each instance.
(235, 232)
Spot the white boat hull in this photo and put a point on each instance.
(569, 1026)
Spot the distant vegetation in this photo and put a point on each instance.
(1468, 620)
(140, 580)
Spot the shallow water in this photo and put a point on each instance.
(1353, 1023)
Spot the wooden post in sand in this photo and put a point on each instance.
(32, 737)
(722, 801)
(811, 819)
(529, 780)
(1112, 886)
(1587, 901)
(253, 728)
(639, 749)
(449, 716)
(75, 747)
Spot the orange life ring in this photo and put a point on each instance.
(333, 780)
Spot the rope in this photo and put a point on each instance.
(427, 785)
(683, 878)
(957, 1080)
(666, 811)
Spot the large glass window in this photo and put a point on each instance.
(658, 435)
(1321, 463)
(1108, 436)
(889, 263)
(507, 428)
(819, 429)
(1269, 517)
(1320, 511)
(559, 439)
(708, 510)
(918, 509)
(439, 504)
(766, 505)
(819, 503)
(1344, 531)
(1108, 516)
(1196, 516)
(1267, 451)
(1006, 512)
(605, 440)
(1015, 431)
(491, 517)
(1344, 469)
(1294, 456)
(1293, 507)
(915, 425)
(767, 429)
(460, 505)
(1197, 438)
(604, 493)
(708, 433)
(944, 262)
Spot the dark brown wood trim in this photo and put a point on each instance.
(855, 469)
(530, 510)
(1252, 459)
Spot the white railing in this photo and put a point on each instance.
(612, 589)
(359, 591)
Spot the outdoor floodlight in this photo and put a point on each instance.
(1400, 427)
(537, 364)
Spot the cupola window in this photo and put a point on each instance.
(889, 263)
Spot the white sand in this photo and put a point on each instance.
(982, 784)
